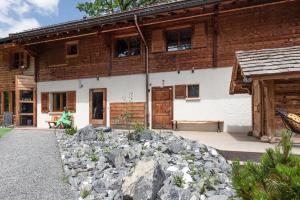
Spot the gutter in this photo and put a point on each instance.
(147, 68)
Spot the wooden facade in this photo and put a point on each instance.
(219, 29)
(136, 110)
(266, 26)
(14, 80)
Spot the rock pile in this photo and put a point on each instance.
(142, 166)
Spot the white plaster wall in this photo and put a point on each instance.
(118, 90)
(215, 102)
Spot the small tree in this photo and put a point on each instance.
(276, 177)
(101, 7)
(126, 117)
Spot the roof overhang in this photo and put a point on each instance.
(157, 14)
(112, 19)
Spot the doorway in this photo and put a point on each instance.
(162, 107)
(97, 107)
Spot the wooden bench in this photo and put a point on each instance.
(52, 122)
(176, 122)
(54, 118)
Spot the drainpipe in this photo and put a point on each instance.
(147, 68)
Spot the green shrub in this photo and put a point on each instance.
(179, 181)
(70, 131)
(101, 136)
(94, 157)
(276, 177)
(208, 181)
(84, 193)
(138, 128)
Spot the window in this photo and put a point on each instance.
(193, 91)
(72, 49)
(128, 47)
(26, 95)
(18, 60)
(179, 39)
(13, 97)
(59, 101)
(6, 101)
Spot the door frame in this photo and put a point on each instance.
(91, 120)
(172, 104)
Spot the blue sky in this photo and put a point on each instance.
(18, 15)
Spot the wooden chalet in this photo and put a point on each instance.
(272, 77)
(164, 63)
(17, 84)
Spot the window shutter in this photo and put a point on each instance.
(158, 41)
(45, 102)
(71, 101)
(199, 36)
(180, 91)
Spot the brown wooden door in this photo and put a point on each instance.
(257, 108)
(97, 107)
(162, 107)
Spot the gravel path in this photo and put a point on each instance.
(31, 168)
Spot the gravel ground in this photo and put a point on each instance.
(31, 168)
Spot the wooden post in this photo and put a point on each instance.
(269, 107)
(257, 108)
(17, 98)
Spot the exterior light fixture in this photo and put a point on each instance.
(80, 84)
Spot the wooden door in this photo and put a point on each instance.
(97, 107)
(162, 107)
(257, 108)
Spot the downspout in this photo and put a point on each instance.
(215, 36)
(147, 68)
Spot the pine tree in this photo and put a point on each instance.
(276, 177)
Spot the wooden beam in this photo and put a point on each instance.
(287, 75)
(62, 38)
(269, 111)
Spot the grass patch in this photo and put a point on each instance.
(4, 131)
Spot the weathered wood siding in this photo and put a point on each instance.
(137, 111)
(255, 28)
(7, 74)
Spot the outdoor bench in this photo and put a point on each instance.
(176, 122)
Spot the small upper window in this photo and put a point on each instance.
(18, 60)
(72, 49)
(193, 91)
(179, 39)
(128, 47)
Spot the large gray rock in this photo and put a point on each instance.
(116, 157)
(175, 146)
(87, 133)
(172, 192)
(145, 135)
(145, 181)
